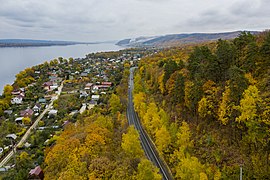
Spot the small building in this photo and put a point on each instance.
(83, 108)
(8, 112)
(95, 88)
(37, 108)
(52, 113)
(88, 86)
(19, 120)
(55, 79)
(42, 100)
(70, 77)
(73, 112)
(27, 113)
(16, 92)
(27, 145)
(107, 83)
(17, 100)
(103, 87)
(11, 136)
(36, 173)
(95, 97)
(53, 87)
(92, 102)
(47, 85)
(65, 123)
(84, 74)
(83, 94)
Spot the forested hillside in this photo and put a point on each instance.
(100, 145)
(207, 108)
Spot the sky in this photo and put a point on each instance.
(101, 20)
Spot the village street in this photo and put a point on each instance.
(34, 125)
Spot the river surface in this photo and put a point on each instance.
(14, 59)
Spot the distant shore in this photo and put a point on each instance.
(37, 43)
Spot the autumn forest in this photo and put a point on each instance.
(206, 107)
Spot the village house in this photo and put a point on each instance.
(27, 113)
(88, 86)
(37, 108)
(55, 79)
(36, 173)
(84, 74)
(53, 87)
(95, 97)
(95, 88)
(17, 100)
(50, 85)
(92, 102)
(19, 120)
(72, 113)
(16, 92)
(42, 100)
(52, 113)
(83, 94)
(103, 87)
(83, 108)
(47, 85)
(107, 83)
(8, 112)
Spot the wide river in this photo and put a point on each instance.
(14, 60)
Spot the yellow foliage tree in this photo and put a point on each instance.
(208, 104)
(139, 103)
(147, 171)
(115, 104)
(161, 83)
(163, 139)
(188, 94)
(131, 143)
(224, 109)
(26, 121)
(190, 168)
(248, 105)
(205, 107)
(151, 119)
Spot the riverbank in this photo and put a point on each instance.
(13, 60)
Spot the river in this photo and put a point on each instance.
(14, 59)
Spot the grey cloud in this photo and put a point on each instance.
(246, 8)
(89, 20)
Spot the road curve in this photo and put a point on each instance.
(34, 125)
(147, 144)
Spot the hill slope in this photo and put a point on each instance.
(176, 39)
(207, 107)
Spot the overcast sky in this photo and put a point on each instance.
(98, 20)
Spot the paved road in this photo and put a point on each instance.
(147, 144)
(34, 125)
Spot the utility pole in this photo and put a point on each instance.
(241, 172)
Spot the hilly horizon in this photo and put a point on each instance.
(177, 39)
